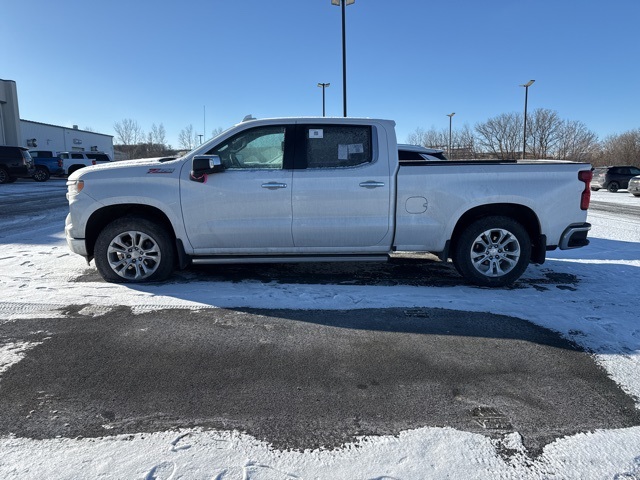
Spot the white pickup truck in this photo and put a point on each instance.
(72, 161)
(317, 190)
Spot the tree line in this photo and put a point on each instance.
(548, 137)
(134, 142)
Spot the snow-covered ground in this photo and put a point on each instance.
(601, 313)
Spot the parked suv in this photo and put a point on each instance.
(15, 162)
(613, 178)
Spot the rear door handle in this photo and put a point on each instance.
(371, 184)
(274, 185)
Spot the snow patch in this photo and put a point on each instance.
(12, 353)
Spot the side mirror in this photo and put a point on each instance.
(203, 165)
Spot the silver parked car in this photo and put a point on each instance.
(634, 186)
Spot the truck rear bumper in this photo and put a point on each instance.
(575, 236)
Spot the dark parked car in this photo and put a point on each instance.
(15, 162)
(613, 178)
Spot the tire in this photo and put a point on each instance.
(613, 187)
(4, 176)
(493, 251)
(595, 189)
(73, 168)
(41, 175)
(636, 194)
(134, 250)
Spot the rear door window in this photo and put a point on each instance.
(338, 146)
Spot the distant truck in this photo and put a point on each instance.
(69, 162)
(72, 161)
(47, 163)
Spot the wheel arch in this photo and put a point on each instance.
(102, 217)
(520, 213)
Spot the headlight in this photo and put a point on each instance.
(74, 187)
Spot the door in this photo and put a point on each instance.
(341, 189)
(247, 207)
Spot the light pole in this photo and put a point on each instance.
(343, 4)
(450, 119)
(526, 97)
(323, 85)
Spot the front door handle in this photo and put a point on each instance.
(274, 185)
(371, 184)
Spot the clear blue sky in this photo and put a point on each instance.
(95, 63)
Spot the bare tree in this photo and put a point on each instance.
(621, 149)
(576, 142)
(501, 136)
(216, 131)
(158, 134)
(156, 138)
(187, 139)
(463, 144)
(429, 138)
(544, 132)
(128, 132)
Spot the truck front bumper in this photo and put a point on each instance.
(575, 236)
(76, 245)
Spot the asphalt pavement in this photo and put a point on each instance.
(303, 379)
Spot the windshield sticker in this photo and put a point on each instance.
(161, 170)
(316, 133)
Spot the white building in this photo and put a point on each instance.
(42, 136)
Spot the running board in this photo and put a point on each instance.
(218, 259)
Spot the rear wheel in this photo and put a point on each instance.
(493, 251)
(134, 250)
(613, 187)
(41, 174)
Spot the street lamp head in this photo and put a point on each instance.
(528, 84)
(323, 84)
(451, 114)
(337, 3)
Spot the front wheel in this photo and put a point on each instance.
(134, 250)
(493, 251)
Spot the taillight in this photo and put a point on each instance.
(60, 163)
(93, 162)
(585, 176)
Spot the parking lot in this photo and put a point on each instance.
(315, 356)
